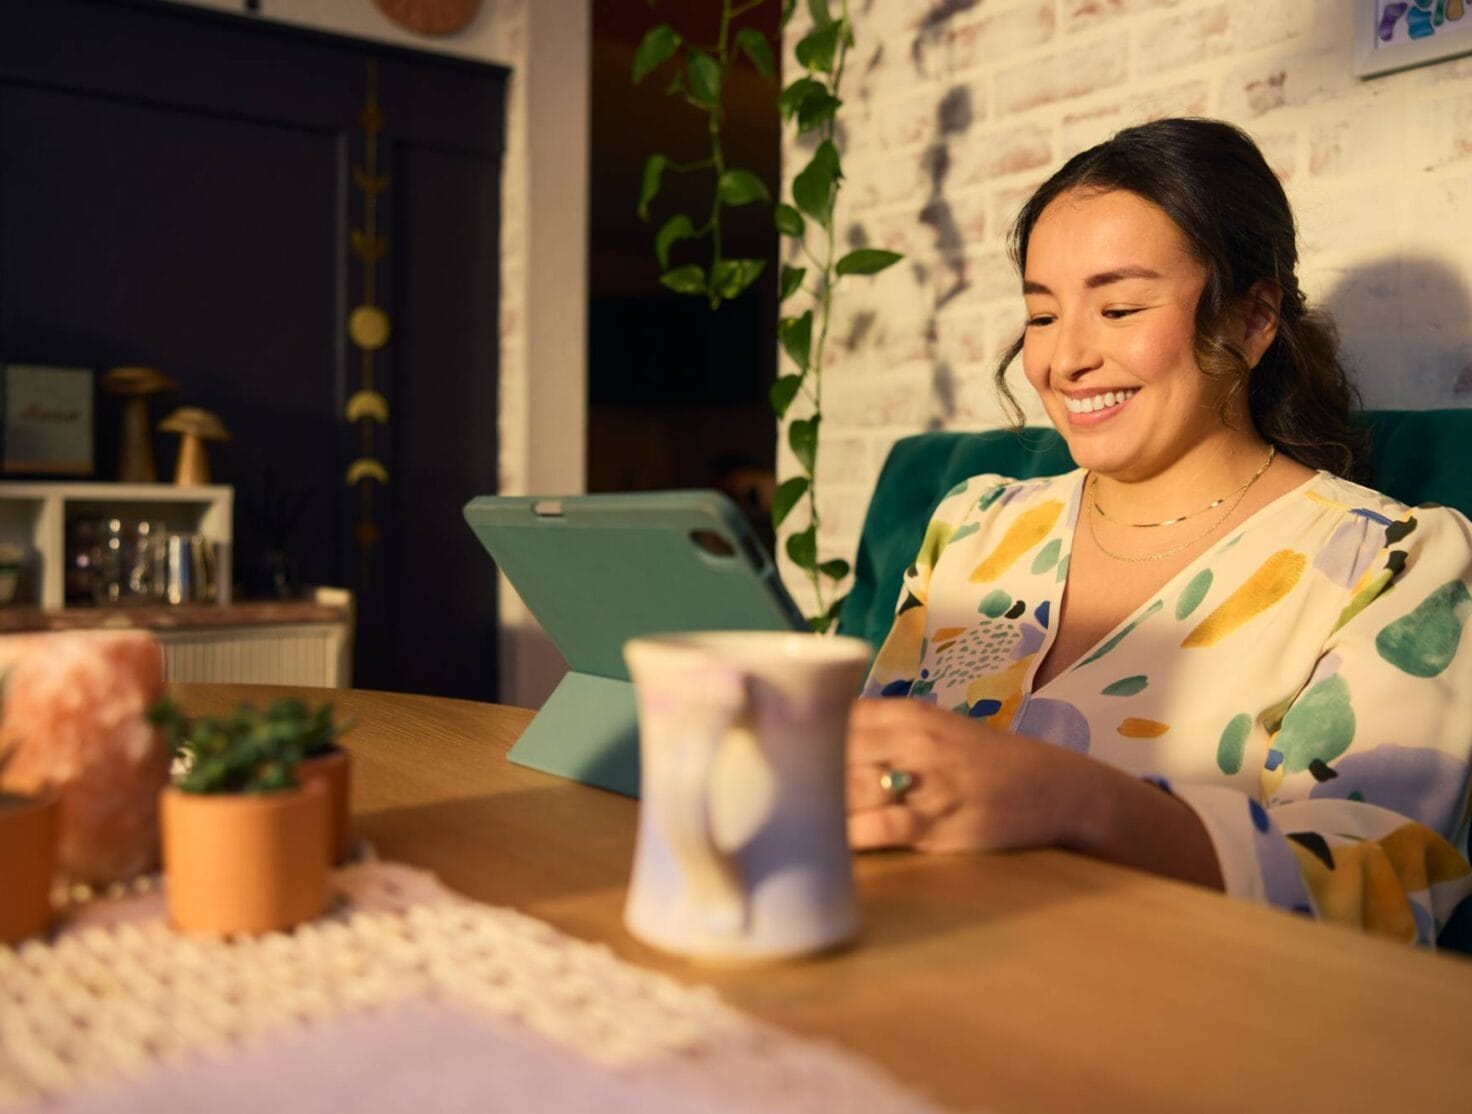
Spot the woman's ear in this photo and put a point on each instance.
(1260, 306)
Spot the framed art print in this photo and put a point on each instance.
(1396, 34)
(47, 425)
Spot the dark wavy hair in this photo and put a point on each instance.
(1212, 181)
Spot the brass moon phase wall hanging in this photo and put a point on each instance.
(430, 17)
(368, 325)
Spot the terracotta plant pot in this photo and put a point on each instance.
(30, 829)
(245, 862)
(334, 770)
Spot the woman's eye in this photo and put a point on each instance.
(1038, 320)
(1117, 314)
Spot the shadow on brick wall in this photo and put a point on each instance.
(1406, 325)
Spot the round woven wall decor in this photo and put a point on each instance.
(430, 17)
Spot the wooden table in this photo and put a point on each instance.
(1035, 981)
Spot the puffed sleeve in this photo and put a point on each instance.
(897, 664)
(1363, 812)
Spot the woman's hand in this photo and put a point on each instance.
(975, 787)
(978, 788)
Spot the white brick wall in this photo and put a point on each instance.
(961, 109)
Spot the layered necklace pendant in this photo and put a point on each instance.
(1231, 501)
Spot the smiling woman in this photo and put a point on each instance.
(1204, 606)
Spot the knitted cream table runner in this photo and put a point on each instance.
(116, 999)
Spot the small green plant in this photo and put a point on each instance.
(246, 751)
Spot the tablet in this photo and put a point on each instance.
(597, 570)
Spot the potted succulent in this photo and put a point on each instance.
(323, 761)
(30, 829)
(245, 834)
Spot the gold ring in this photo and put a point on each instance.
(896, 783)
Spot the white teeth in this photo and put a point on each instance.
(1097, 402)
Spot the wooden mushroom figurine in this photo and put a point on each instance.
(135, 385)
(196, 427)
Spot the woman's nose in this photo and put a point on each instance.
(1077, 349)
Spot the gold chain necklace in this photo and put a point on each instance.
(1272, 452)
(1236, 499)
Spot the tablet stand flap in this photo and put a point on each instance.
(588, 730)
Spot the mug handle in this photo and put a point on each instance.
(714, 875)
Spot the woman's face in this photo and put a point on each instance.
(1111, 291)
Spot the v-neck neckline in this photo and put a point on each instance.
(1143, 611)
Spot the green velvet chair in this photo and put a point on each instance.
(1416, 456)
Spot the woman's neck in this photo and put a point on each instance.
(1211, 469)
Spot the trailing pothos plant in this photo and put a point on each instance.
(810, 104)
(699, 74)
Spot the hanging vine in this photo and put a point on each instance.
(699, 76)
(810, 105)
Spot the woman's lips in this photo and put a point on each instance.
(1104, 405)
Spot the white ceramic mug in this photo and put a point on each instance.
(743, 851)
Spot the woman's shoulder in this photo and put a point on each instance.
(1389, 522)
(991, 491)
(1366, 502)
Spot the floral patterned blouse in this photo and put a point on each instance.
(1303, 686)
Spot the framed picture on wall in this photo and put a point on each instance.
(1396, 34)
(47, 420)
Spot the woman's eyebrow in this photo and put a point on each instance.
(1104, 278)
(1093, 282)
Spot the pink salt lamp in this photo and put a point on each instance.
(73, 719)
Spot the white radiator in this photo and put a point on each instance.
(315, 654)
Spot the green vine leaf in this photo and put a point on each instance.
(818, 9)
(689, 279)
(803, 549)
(788, 7)
(789, 99)
(816, 109)
(703, 73)
(834, 570)
(783, 391)
(676, 83)
(867, 261)
(754, 44)
(821, 624)
(796, 335)
(802, 439)
(653, 171)
(729, 277)
(678, 227)
(742, 187)
(655, 49)
(790, 283)
(813, 187)
(818, 49)
(788, 220)
(786, 496)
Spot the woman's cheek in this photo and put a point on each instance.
(1035, 363)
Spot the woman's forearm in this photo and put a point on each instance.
(1124, 820)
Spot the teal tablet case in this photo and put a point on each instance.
(597, 570)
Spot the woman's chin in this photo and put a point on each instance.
(1094, 452)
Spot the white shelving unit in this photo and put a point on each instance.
(35, 515)
(256, 642)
